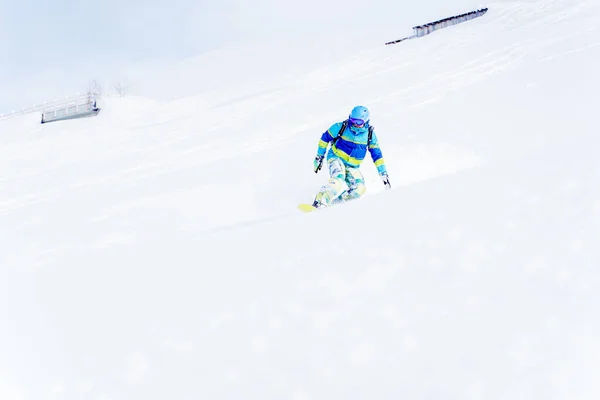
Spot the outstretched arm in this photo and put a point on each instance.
(323, 143)
(326, 138)
(377, 157)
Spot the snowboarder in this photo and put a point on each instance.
(349, 140)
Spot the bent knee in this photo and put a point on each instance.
(355, 192)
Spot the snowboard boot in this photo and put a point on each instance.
(320, 201)
(318, 204)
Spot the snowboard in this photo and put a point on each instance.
(304, 207)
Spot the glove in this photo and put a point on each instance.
(386, 180)
(318, 163)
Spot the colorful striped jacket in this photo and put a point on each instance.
(351, 147)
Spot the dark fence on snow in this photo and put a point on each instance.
(426, 29)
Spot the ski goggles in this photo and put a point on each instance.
(359, 123)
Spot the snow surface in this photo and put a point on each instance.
(155, 251)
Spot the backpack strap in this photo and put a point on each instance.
(370, 135)
(342, 129)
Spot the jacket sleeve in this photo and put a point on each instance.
(327, 137)
(376, 155)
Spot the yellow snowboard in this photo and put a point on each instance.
(306, 207)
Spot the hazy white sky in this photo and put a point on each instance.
(52, 49)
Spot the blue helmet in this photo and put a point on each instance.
(359, 115)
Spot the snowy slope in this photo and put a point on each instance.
(155, 252)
